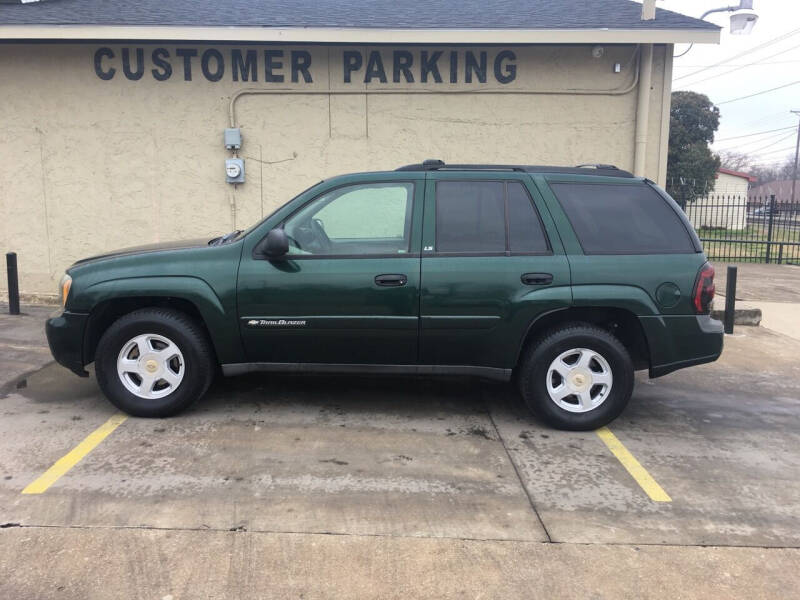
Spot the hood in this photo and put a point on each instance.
(179, 245)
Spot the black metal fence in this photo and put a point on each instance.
(737, 228)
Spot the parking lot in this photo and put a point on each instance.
(311, 487)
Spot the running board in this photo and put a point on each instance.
(367, 369)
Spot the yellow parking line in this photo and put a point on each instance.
(633, 466)
(69, 460)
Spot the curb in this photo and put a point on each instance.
(741, 316)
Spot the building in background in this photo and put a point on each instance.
(725, 207)
(730, 182)
(782, 190)
(114, 119)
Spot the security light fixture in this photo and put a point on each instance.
(742, 21)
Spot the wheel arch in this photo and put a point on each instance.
(622, 323)
(111, 300)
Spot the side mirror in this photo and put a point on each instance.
(276, 244)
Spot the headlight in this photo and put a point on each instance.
(63, 288)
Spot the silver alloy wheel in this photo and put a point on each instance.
(579, 380)
(150, 366)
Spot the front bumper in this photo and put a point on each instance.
(679, 341)
(65, 332)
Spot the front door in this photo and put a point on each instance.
(348, 290)
(492, 262)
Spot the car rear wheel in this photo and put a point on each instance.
(154, 362)
(576, 377)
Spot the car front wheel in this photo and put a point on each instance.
(576, 377)
(154, 362)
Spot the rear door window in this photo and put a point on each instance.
(525, 230)
(470, 216)
(622, 219)
(487, 217)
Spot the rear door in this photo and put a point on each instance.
(492, 262)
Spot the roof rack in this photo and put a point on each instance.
(595, 168)
(439, 165)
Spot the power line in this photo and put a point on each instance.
(775, 164)
(743, 53)
(781, 160)
(740, 146)
(772, 144)
(766, 163)
(754, 63)
(765, 119)
(778, 150)
(715, 66)
(780, 87)
(736, 137)
(769, 141)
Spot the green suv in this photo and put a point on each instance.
(564, 280)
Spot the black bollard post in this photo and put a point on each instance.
(730, 299)
(13, 283)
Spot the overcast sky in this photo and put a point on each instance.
(774, 48)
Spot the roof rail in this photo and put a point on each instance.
(433, 164)
(597, 166)
(430, 164)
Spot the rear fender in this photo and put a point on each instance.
(631, 298)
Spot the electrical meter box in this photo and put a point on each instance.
(234, 170)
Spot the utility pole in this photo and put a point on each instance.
(796, 152)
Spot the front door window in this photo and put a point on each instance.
(365, 219)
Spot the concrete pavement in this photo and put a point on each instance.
(773, 289)
(756, 281)
(23, 345)
(122, 563)
(783, 317)
(398, 487)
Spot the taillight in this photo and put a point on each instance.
(704, 289)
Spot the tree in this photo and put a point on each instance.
(691, 165)
(764, 173)
(736, 161)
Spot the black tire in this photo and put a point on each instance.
(199, 362)
(535, 364)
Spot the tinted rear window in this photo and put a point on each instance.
(622, 219)
(470, 216)
(487, 217)
(525, 232)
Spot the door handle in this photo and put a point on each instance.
(537, 278)
(392, 280)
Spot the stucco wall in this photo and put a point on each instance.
(88, 165)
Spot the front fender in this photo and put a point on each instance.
(219, 316)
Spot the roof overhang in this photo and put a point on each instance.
(332, 35)
(750, 178)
